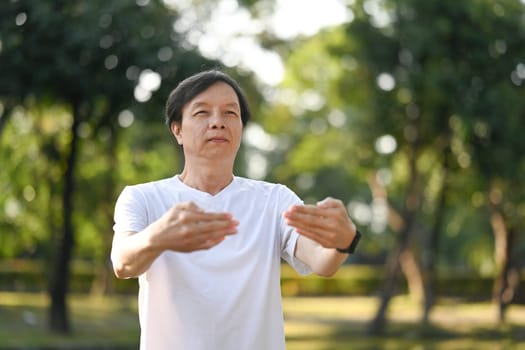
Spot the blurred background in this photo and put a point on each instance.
(411, 112)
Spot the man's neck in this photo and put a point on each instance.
(207, 179)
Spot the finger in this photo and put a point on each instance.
(330, 202)
(325, 219)
(314, 211)
(215, 232)
(305, 221)
(205, 230)
(209, 236)
(304, 209)
(309, 223)
(191, 206)
(324, 231)
(211, 216)
(314, 235)
(189, 217)
(210, 243)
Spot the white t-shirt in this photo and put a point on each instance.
(227, 297)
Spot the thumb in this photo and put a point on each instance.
(191, 206)
(328, 202)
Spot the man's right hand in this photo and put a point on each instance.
(186, 228)
(183, 228)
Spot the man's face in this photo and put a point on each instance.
(211, 125)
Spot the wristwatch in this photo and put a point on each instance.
(353, 244)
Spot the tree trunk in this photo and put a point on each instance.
(390, 283)
(431, 251)
(393, 267)
(4, 117)
(413, 273)
(60, 275)
(507, 277)
(104, 279)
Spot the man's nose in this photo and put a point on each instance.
(216, 120)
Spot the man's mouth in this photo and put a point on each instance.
(217, 139)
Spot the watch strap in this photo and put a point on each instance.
(353, 244)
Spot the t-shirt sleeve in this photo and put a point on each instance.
(288, 234)
(130, 211)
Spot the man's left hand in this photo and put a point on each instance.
(326, 223)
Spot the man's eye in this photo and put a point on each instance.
(232, 113)
(200, 113)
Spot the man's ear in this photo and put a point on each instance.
(176, 130)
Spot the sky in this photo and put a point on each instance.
(228, 34)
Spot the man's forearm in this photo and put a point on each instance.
(132, 254)
(328, 261)
(323, 261)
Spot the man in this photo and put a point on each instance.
(207, 245)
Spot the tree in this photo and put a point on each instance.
(91, 57)
(442, 57)
(429, 78)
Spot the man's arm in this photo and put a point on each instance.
(184, 228)
(132, 253)
(323, 228)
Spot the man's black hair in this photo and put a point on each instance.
(194, 85)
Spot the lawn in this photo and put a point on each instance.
(341, 323)
(322, 323)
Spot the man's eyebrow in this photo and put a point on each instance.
(204, 104)
(232, 104)
(199, 104)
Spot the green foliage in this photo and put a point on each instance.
(91, 54)
(30, 179)
(446, 80)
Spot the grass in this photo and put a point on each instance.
(311, 323)
(98, 322)
(341, 323)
